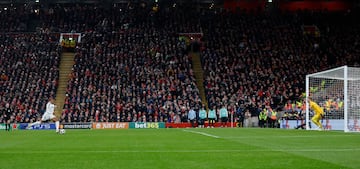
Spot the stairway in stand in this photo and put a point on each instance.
(199, 76)
(65, 68)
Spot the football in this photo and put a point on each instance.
(62, 131)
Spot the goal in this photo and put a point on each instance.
(337, 91)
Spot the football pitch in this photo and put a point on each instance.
(219, 148)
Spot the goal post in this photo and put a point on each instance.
(337, 91)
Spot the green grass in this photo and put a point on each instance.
(221, 148)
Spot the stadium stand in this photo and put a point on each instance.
(140, 73)
(132, 66)
(263, 59)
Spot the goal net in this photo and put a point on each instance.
(337, 91)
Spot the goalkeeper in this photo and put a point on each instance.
(318, 113)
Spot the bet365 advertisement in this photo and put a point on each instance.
(147, 125)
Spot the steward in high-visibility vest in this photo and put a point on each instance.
(273, 118)
(323, 82)
(262, 118)
(340, 104)
(298, 106)
(72, 43)
(66, 43)
(314, 89)
(328, 104)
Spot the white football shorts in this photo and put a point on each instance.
(47, 116)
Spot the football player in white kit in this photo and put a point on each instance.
(48, 115)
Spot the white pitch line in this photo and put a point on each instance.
(179, 151)
(202, 133)
(311, 136)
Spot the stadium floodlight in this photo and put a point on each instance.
(337, 91)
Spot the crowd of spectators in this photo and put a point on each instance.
(28, 74)
(261, 60)
(132, 66)
(115, 18)
(13, 19)
(141, 73)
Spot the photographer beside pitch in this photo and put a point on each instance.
(48, 115)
